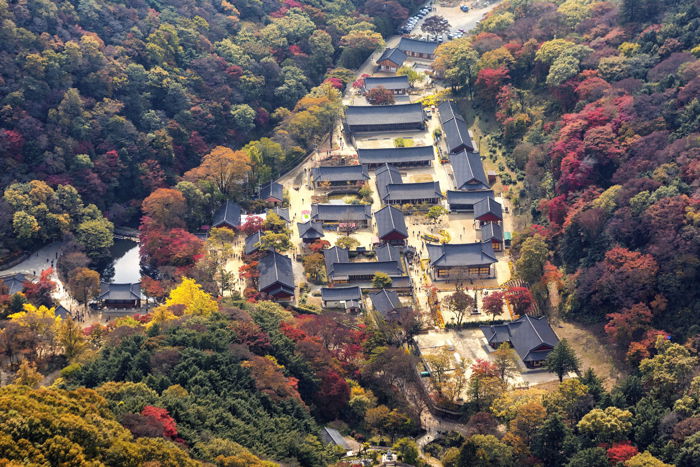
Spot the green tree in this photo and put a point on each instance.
(485, 451)
(243, 117)
(27, 375)
(669, 371)
(564, 67)
(275, 241)
(407, 450)
(25, 225)
(606, 426)
(412, 75)
(533, 256)
(435, 212)
(314, 265)
(591, 457)
(219, 246)
(562, 360)
(381, 280)
(96, 236)
(347, 242)
(549, 440)
(456, 62)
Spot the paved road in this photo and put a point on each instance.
(38, 261)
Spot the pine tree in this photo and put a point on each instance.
(562, 360)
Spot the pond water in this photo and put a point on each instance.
(126, 263)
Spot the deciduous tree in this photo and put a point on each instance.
(380, 96)
(83, 284)
(167, 207)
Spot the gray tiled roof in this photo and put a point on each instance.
(275, 273)
(384, 114)
(457, 136)
(469, 171)
(532, 338)
(491, 231)
(396, 155)
(461, 254)
(14, 283)
(272, 190)
(413, 191)
(340, 173)
(388, 252)
(454, 127)
(310, 229)
(341, 212)
(488, 206)
(389, 219)
(120, 292)
(251, 243)
(282, 212)
(394, 55)
(341, 293)
(385, 176)
(386, 82)
(366, 268)
(229, 213)
(334, 255)
(468, 197)
(386, 301)
(418, 46)
(331, 435)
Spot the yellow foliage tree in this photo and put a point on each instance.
(506, 405)
(187, 297)
(27, 375)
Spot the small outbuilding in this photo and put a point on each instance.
(387, 304)
(391, 225)
(272, 192)
(532, 338)
(344, 298)
(310, 231)
(252, 243)
(339, 176)
(492, 232)
(488, 210)
(396, 84)
(276, 276)
(391, 59)
(468, 171)
(464, 201)
(14, 283)
(228, 215)
(120, 296)
(417, 48)
(331, 215)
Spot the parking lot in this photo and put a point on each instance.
(459, 20)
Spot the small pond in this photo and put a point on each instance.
(125, 266)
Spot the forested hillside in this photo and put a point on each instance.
(153, 113)
(119, 98)
(598, 109)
